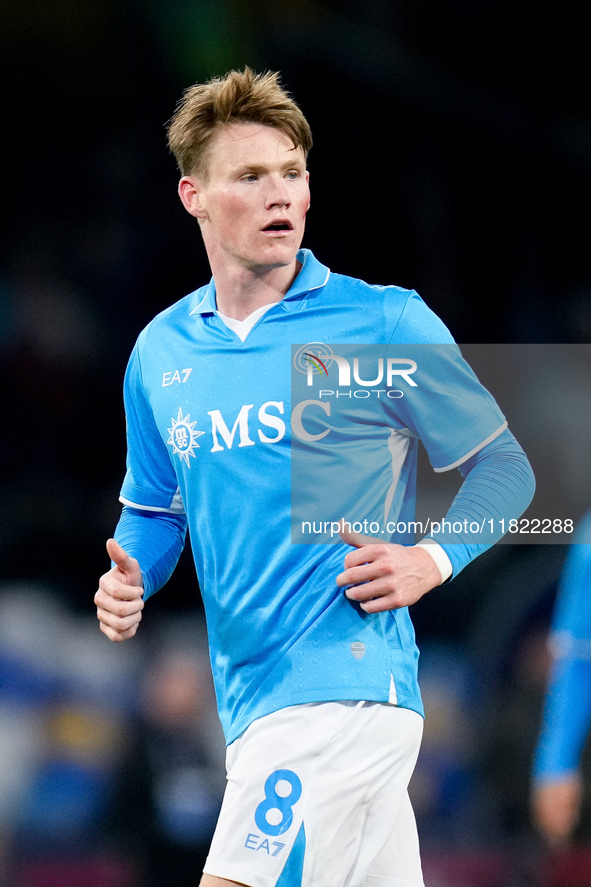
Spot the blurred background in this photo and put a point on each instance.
(452, 155)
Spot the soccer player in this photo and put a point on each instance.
(312, 647)
(558, 789)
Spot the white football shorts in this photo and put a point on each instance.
(317, 797)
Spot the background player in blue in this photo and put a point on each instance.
(312, 647)
(558, 787)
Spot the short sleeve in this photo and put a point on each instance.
(417, 323)
(150, 481)
(442, 402)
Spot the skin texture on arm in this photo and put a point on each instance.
(556, 807)
(211, 881)
(385, 576)
(119, 599)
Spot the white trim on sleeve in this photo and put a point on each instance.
(175, 507)
(480, 446)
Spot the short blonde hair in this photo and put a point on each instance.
(239, 96)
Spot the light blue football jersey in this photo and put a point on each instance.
(209, 431)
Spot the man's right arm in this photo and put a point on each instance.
(144, 553)
(119, 601)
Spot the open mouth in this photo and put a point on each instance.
(279, 226)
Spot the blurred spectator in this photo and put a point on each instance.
(63, 803)
(171, 780)
(443, 784)
(509, 738)
(30, 631)
(109, 775)
(64, 708)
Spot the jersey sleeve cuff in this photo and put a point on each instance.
(439, 555)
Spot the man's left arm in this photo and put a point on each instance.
(498, 486)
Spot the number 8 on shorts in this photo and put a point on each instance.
(274, 815)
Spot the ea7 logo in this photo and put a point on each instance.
(176, 376)
(253, 842)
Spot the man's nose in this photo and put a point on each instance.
(278, 193)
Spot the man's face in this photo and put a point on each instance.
(253, 206)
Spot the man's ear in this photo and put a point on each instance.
(190, 192)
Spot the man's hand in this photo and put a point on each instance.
(384, 576)
(556, 807)
(118, 600)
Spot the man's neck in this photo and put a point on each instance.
(240, 291)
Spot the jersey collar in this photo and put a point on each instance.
(313, 275)
(203, 299)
